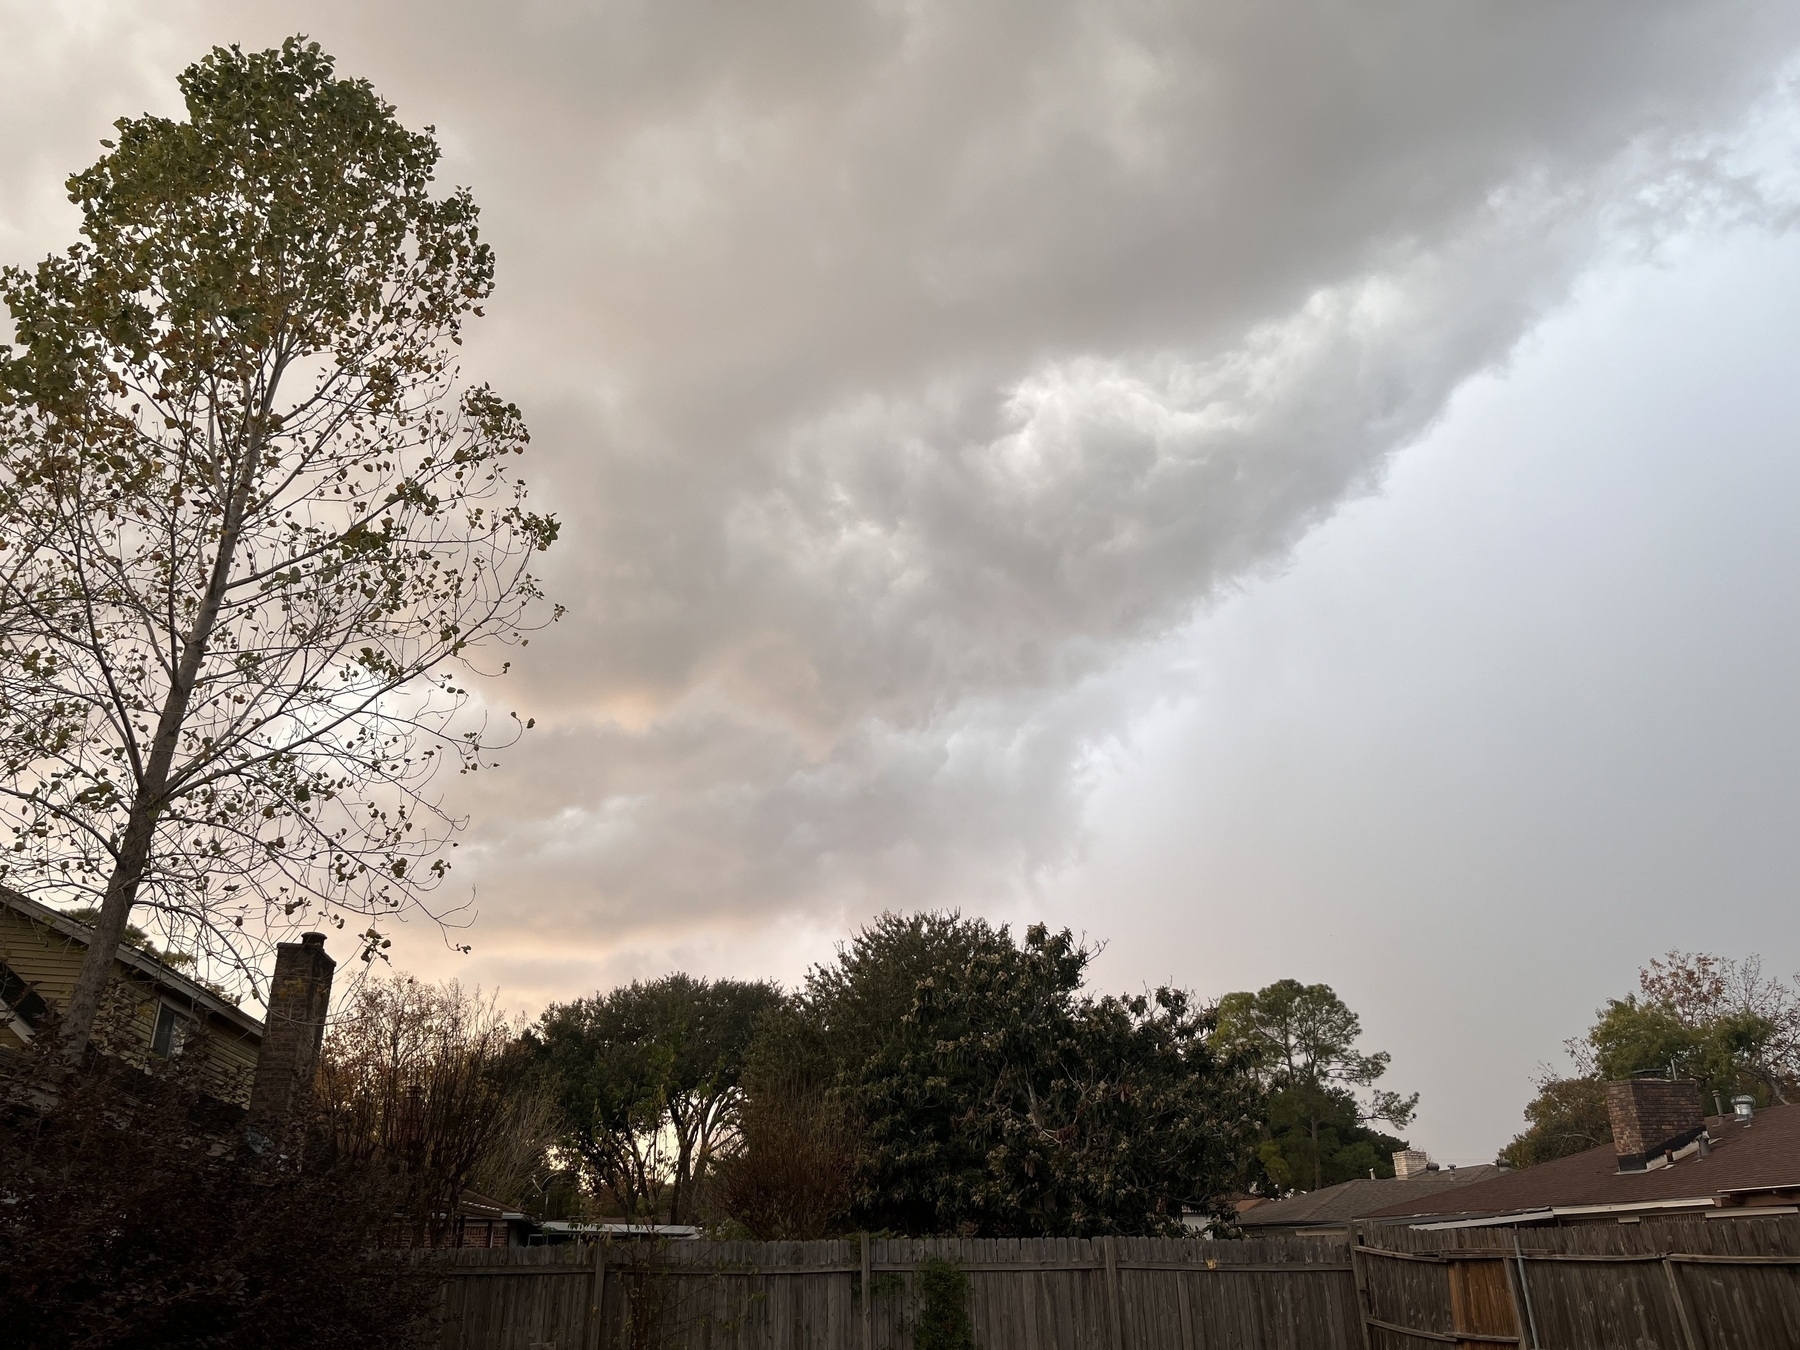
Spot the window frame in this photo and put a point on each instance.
(172, 1031)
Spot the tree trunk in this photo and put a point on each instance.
(148, 801)
(679, 1184)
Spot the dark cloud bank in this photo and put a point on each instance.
(900, 370)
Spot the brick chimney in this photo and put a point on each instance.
(299, 995)
(1650, 1115)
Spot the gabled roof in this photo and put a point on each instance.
(1360, 1198)
(1742, 1164)
(194, 994)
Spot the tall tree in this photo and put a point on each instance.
(993, 1096)
(1322, 1094)
(254, 525)
(1748, 1023)
(649, 1079)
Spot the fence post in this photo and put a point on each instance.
(1109, 1248)
(1360, 1280)
(868, 1296)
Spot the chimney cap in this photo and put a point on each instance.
(312, 939)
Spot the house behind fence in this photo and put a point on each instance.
(1686, 1284)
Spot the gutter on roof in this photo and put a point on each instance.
(137, 960)
(1551, 1213)
(1738, 1194)
(1518, 1218)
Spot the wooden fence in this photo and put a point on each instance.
(1669, 1285)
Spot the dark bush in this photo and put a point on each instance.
(942, 1321)
(135, 1212)
(791, 1175)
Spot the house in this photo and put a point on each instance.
(1326, 1210)
(1667, 1158)
(153, 1012)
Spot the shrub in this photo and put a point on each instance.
(790, 1179)
(943, 1308)
(135, 1214)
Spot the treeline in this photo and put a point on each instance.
(942, 1076)
(939, 1076)
(1721, 1022)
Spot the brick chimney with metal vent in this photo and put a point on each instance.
(1651, 1116)
(299, 996)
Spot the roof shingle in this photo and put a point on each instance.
(1360, 1198)
(1763, 1155)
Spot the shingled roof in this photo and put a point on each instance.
(1338, 1205)
(1753, 1164)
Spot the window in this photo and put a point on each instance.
(172, 1032)
(21, 1007)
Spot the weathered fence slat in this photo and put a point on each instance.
(596, 1313)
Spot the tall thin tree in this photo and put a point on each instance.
(255, 525)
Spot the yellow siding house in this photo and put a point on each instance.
(151, 1012)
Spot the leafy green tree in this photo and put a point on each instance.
(133, 936)
(1567, 1116)
(1718, 1021)
(1322, 1097)
(1318, 1137)
(648, 1079)
(995, 1098)
(1745, 1026)
(1720, 1051)
(253, 527)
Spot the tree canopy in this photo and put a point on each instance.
(254, 528)
(1322, 1097)
(648, 1079)
(992, 1096)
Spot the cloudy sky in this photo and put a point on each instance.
(1286, 489)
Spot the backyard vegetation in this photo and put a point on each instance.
(943, 1076)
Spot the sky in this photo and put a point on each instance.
(1281, 489)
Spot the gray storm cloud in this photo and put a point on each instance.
(901, 370)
